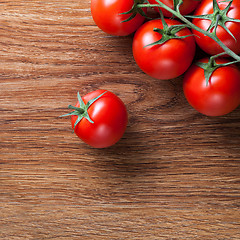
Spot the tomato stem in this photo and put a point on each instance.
(82, 111)
(211, 66)
(193, 26)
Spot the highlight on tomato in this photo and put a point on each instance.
(222, 16)
(99, 118)
(163, 48)
(113, 18)
(219, 95)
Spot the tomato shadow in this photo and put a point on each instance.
(135, 156)
(227, 128)
(127, 166)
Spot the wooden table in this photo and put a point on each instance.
(174, 174)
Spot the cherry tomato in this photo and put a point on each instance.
(185, 8)
(104, 122)
(167, 60)
(220, 96)
(207, 44)
(107, 16)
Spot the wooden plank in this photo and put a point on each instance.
(173, 175)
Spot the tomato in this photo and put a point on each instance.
(107, 16)
(207, 44)
(186, 7)
(167, 60)
(108, 116)
(220, 96)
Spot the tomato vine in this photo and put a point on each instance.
(218, 18)
(184, 19)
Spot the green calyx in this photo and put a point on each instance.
(211, 66)
(218, 17)
(135, 10)
(168, 32)
(82, 110)
(184, 19)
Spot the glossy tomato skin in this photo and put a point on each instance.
(164, 61)
(110, 119)
(107, 16)
(186, 7)
(220, 96)
(207, 44)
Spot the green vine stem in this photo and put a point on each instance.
(211, 66)
(191, 25)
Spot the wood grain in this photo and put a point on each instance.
(173, 175)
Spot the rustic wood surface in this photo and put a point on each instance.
(173, 175)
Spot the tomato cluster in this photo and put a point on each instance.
(164, 48)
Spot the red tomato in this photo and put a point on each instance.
(109, 116)
(163, 61)
(207, 44)
(107, 16)
(220, 96)
(185, 8)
